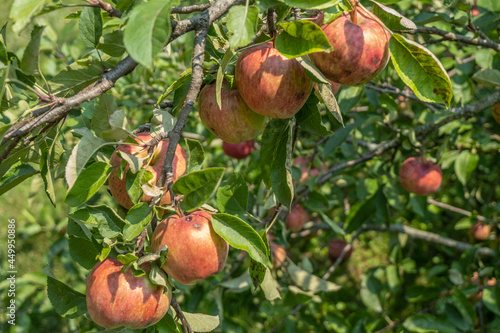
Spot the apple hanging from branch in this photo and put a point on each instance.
(238, 150)
(421, 176)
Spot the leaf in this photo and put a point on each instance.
(201, 322)
(46, 174)
(281, 168)
(363, 214)
(300, 38)
(66, 301)
(309, 118)
(90, 26)
(29, 64)
(312, 4)
(391, 18)
(138, 218)
(257, 272)
(491, 299)
(238, 284)
(23, 11)
(106, 105)
(18, 173)
(148, 30)
(119, 128)
(134, 162)
(338, 138)
(420, 70)
(309, 281)
(195, 153)
(4, 57)
(325, 90)
(242, 23)
(465, 307)
(112, 44)
(240, 235)
(167, 324)
(465, 164)
(162, 121)
(80, 155)
(89, 181)
(104, 218)
(489, 76)
(270, 137)
(311, 70)
(270, 286)
(232, 198)
(428, 323)
(197, 187)
(83, 251)
(134, 183)
(220, 76)
(75, 78)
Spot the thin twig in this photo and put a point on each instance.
(190, 9)
(457, 210)
(180, 316)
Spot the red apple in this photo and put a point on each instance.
(303, 162)
(480, 231)
(496, 112)
(279, 254)
(115, 298)
(420, 176)
(118, 187)
(360, 49)
(271, 84)
(296, 218)
(195, 251)
(238, 150)
(335, 248)
(235, 122)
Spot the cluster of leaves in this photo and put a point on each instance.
(400, 283)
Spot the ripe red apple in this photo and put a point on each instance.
(195, 251)
(235, 122)
(496, 112)
(335, 248)
(271, 84)
(480, 231)
(296, 218)
(118, 187)
(238, 150)
(117, 299)
(420, 176)
(360, 49)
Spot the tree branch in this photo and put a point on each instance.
(180, 316)
(456, 210)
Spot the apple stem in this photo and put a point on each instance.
(270, 23)
(354, 13)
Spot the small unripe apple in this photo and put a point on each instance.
(420, 176)
(195, 250)
(480, 231)
(271, 84)
(296, 218)
(360, 49)
(234, 122)
(496, 112)
(238, 150)
(335, 248)
(118, 186)
(116, 298)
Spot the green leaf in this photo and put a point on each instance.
(465, 307)
(349, 97)
(138, 218)
(46, 174)
(309, 118)
(29, 64)
(134, 183)
(312, 4)
(18, 173)
(4, 57)
(428, 323)
(220, 76)
(338, 138)
(119, 128)
(90, 26)
(281, 168)
(300, 38)
(257, 272)
(311, 70)
(491, 299)
(489, 76)
(67, 302)
(75, 78)
(270, 137)
(167, 324)
(308, 281)
(104, 218)
(270, 286)
(465, 164)
(162, 121)
(197, 187)
(83, 251)
(391, 18)
(232, 198)
(242, 23)
(89, 181)
(148, 30)
(240, 235)
(361, 214)
(23, 11)
(325, 90)
(106, 105)
(201, 322)
(112, 44)
(420, 70)
(196, 154)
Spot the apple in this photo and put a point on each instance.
(480, 231)
(496, 112)
(238, 150)
(279, 254)
(195, 251)
(116, 298)
(118, 187)
(420, 176)
(303, 162)
(360, 49)
(335, 248)
(296, 218)
(235, 122)
(271, 84)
